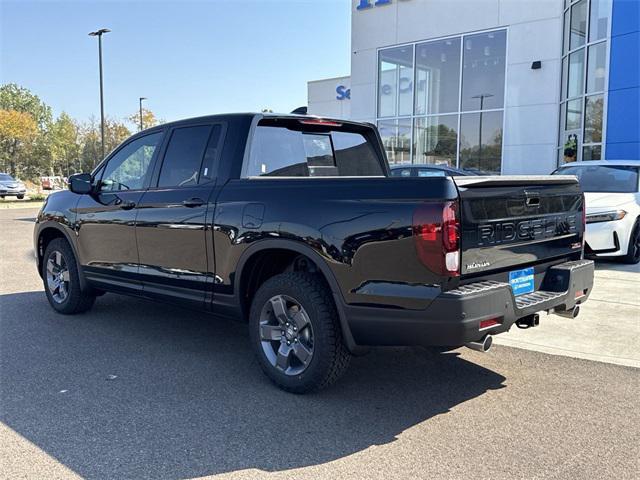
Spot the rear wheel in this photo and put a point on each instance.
(633, 251)
(20, 197)
(295, 333)
(62, 281)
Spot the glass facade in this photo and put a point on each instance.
(584, 80)
(442, 101)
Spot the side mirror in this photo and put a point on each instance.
(81, 183)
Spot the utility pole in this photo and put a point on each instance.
(99, 33)
(141, 123)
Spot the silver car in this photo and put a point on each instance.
(10, 187)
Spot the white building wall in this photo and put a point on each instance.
(532, 96)
(323, 98)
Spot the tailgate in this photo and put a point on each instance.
(513, 221)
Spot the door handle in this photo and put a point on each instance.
(127, 205)
(193, 202)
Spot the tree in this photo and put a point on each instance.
(20, 99)
(148, 119)
(114, 134)
(65, 146)
(18, 130)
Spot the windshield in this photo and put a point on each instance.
(601, 178)
(5, 178)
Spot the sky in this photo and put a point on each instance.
(189, 58)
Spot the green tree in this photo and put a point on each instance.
(29, 156)
(65, 146)
(20, 99)
(114, 134)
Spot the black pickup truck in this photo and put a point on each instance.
(294, 224)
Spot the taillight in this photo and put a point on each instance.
(436, 233)
(320, 121)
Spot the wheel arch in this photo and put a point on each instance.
(49, 231)
(288, 249)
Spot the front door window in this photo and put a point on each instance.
(129, 167)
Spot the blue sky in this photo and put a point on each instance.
(188, 57)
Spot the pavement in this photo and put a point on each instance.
(137, 389)
(607, 329)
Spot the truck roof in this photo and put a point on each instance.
(228, 116)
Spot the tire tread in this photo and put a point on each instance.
(79, 301)
(338, 359)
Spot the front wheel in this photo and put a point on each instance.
(20, 197)
(295, 333)
(61, 279)
(633, 251)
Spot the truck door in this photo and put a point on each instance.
(171, 228)
(106, 218)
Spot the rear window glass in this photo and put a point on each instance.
(400, 172)
(279, 151)
(604, 178)
(425, 172)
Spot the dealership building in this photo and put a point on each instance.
(509, 86)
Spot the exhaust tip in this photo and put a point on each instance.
(573, 313)
(483, 345)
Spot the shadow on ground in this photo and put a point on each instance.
(616, 266)
(189, 399)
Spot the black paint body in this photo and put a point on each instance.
(358, 233)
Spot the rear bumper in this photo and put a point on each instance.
(453, 318)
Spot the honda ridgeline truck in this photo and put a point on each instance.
(294, 224)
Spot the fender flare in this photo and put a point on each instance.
(320, 262)
(48, 225)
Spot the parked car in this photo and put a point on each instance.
(613, 207)
(53, 182)
(294, 224)
(10, 187)
(431, 170)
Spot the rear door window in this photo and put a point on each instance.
(183, 157)
(210, 163)
(279, 151)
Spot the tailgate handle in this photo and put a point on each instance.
(533, 201)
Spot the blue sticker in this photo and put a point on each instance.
(521, 281)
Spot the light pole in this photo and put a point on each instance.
(141, 124)
(482, 96)
(99, 33)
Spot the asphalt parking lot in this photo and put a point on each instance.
(135, 389)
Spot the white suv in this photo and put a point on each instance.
(613, 206)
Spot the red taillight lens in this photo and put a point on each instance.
(491, 322)
(320, 122)
(436, 231)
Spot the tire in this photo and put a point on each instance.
(20, 197)
(307, 326)
(60, 269)
(633, 250)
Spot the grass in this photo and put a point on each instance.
(30, 201)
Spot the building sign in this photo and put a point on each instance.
(343, 92)
(364, 4)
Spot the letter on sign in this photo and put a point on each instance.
(367, 4)
(343, 92)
